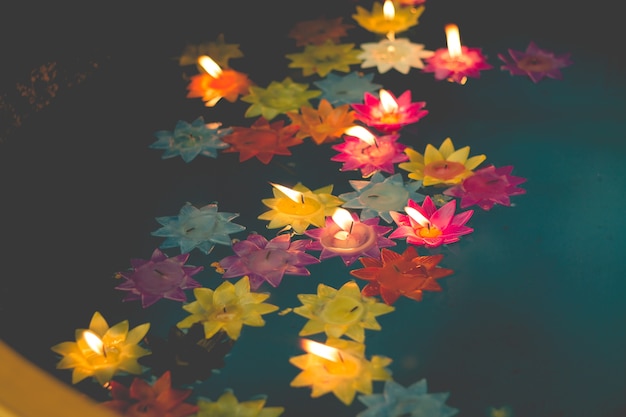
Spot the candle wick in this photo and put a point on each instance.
(351, 226)
(353, 309)
(224, 309)
(375, 142)
(159, 272)
(302, 197)
(189, 230)
(340, 356)
(267, 256)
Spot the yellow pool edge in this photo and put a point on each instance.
(28, 391)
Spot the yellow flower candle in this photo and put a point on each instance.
(102, 352)
(299, 207)
(338, 366)
(385, 19)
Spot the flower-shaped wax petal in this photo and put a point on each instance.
(278, 98)
(200, 228)
(536, 63)
(350, 372)
(487, 187)
(469, 63)
(365, 238)
(383, 155)
(443, 166)
(375, 20)
(405, 274)
(324, 58)
(229, 307)
(102, 352)
(158, 399)
(229, 406)
(318, 31)
(342, 312)
(311, 208)
(159, 277)
(346, 89)
(412, 401)
(399, 54)
(191, 139)
(381, 195)
(263, 140)
(268, 261)
(387, 118)
(324, 124)
(429, 226)
(219, 50)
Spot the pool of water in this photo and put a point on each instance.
(533, 316)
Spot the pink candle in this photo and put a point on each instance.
(457, 62)
(346, 235)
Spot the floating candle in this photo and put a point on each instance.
(346, 236)
(457, 62)
(102, 352)
(389, 113)
(363, 150)
(338, 366)
(299, 207)
(217, 83)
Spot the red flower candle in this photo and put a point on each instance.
(362, 150)
(389, 113)
(457, 62)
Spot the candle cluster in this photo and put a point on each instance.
(366, 125)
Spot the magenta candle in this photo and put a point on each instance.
(457, 62)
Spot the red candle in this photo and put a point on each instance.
(457, 62)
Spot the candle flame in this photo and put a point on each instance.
(453, 40)
(387, 102)
(321, 350)
(343, 219)
(94, 342)
(210, 66)
(388, 10)
(417, 216)
(361, 133)
(296, 196)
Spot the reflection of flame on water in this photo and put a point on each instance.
(321, 350)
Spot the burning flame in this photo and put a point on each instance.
(361, 133)
(294, 195)
(453, 40)
(417, 216)
(343, 219)
(387, 102)
(210, 66)
(321, 350)
(94, 342)
(388, 10)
